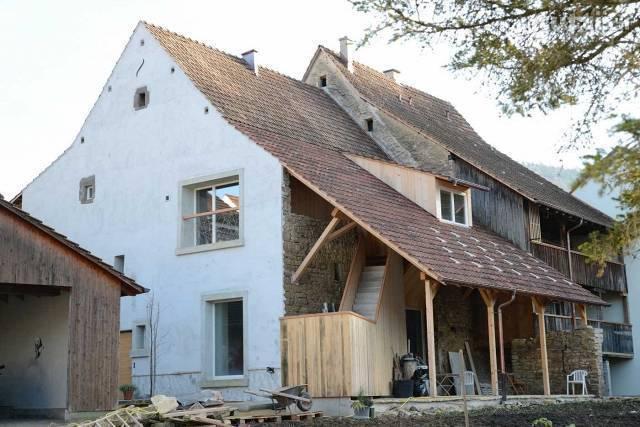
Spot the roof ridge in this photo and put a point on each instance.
(477, 139)
(223, 52)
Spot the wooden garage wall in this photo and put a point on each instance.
(31, 256)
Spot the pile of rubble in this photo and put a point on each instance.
(208, 411)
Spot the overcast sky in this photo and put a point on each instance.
(56, 55)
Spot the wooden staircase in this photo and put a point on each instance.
(369, 288)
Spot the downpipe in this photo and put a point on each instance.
(503, 373)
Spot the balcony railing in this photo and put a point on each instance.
(617, 338)
(613, 278)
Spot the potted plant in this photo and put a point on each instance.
(127, 391)
(362, 406)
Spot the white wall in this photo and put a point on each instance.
(138, 158)
(27, 382)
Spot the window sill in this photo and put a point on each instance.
(139, 353)
(235, 382)
(209, 247)
(453, 223)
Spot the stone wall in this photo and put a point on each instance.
(325, 278)
(566, 352)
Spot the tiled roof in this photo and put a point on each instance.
(440, 121)
(128, 285)
(453, 254)
(272, 102)
(309, 133)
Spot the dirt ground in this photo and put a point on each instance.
(618, 412)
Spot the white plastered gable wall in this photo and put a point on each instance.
(138, 159)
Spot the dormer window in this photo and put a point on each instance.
(323, 81)
(453, 207)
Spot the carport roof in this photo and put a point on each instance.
(127, 284)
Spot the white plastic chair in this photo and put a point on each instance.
(577, 377)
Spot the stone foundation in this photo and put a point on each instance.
(566, 352)
(325, 278)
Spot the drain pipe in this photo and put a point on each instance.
(503, 374)
(573, 306)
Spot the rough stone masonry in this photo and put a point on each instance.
(566, 352)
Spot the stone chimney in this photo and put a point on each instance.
(251, 58)
(392, 73)
(345, 53)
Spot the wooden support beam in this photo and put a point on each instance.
(489, 298)
(343, 230)
(538, 306)
(582, 312)
(430, 290)
(315, 248)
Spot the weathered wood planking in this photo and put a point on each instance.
(500, 209)
(339, 354)
(124, 358)
(31, 256)
(613, 278)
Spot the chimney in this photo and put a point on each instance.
(251, 58)
(344, 51)
(392, 73)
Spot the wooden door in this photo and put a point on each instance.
(124, 358)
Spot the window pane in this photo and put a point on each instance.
(228, 223)
(204, 227)
(445, 205)
(458, 205)
(229, 358)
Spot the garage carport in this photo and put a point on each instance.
(59, 320)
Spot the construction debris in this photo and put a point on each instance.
(162, 409)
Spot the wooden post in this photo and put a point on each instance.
(539, 308)
(489, 298)
(582, 312)
(430, 290)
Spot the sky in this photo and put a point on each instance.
(55, 56)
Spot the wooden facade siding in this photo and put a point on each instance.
(339, 354)
(613, 278)
(500, 209)
(535, 232)
(31, 256)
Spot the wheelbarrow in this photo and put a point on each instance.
(286, 396)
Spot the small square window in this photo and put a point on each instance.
(323, 81)
(369, 123)
(141, 98)
(139, 340)
(87, 189)
(453, 207)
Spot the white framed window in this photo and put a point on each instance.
(224, 343)
(88, 190)
(454, 206)
(211, 213)
(139, 339)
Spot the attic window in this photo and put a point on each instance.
(453, 207)
(87, 191)
(369, 123)
(141, 98)
(323, 81)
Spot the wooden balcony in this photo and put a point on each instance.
(613, 279)
(617, 338)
